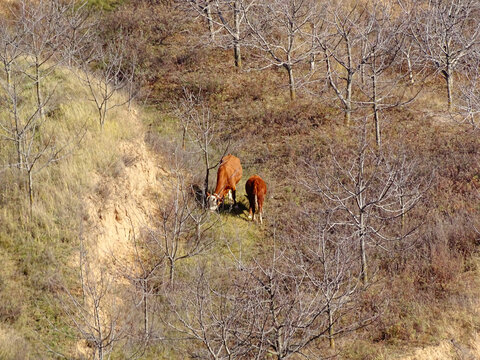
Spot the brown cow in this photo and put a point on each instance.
(256, 190)
(228, 175)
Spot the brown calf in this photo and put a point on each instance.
(228, 175)
(256, 190)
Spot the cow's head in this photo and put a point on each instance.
(213, 201)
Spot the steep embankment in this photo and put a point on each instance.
(125, 198)
(124, 203)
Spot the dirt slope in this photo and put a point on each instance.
(125, 199)
(123, 204)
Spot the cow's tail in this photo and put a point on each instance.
(256, 202)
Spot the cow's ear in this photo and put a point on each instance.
(208, 194)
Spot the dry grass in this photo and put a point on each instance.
(272, 136)
(429, 306)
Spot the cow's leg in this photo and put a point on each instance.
(231, 195)
(260, 208)
(253, 209)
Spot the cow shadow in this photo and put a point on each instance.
(197, 193)
(229, 209)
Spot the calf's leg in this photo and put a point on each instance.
(251, 201)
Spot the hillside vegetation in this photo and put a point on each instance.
(363, 123)
(38, 248)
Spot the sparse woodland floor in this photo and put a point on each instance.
(122, 205)
(85, 241)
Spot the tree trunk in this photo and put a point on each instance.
(330, 328)
(363, 255)
(375, 105)
(449, 79)
(288, 65)
(18, 135)
(19, 150)
(362, 74)
(184, 136)
(279, 344)
(104, 107)
(348, 99)
(364, 276)
(348, 113)
(101, 118)
(291, 82)
(205, 185)
(30, 190)
(410, 71)
(98, 327)
(350, 72)
(38, 90)
(145, 307)
(237, 55)
(171, 270)
(236, 40)
(208, 11)
(312, 55)
(402, 204)
(7, 72)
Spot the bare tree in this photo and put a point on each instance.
(383, 47)
(96, 311)
(145, 272)
(204, 8)
(102, 71)
(11, 49)
(343, 45)
(383, 43)
(328, 258)
(78, 23)
(293, 306)
(281, 34)
(23, 123)
(275, 305)
(469, 94)
(208, 309)
(233, 28)
(41, 23)
(446, 32)
(369, 194)
(200, 128)
(184, 227)
(36, 145)
(229, 18)
(182, 231)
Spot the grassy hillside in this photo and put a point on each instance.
(422, 291)
(37, 251)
